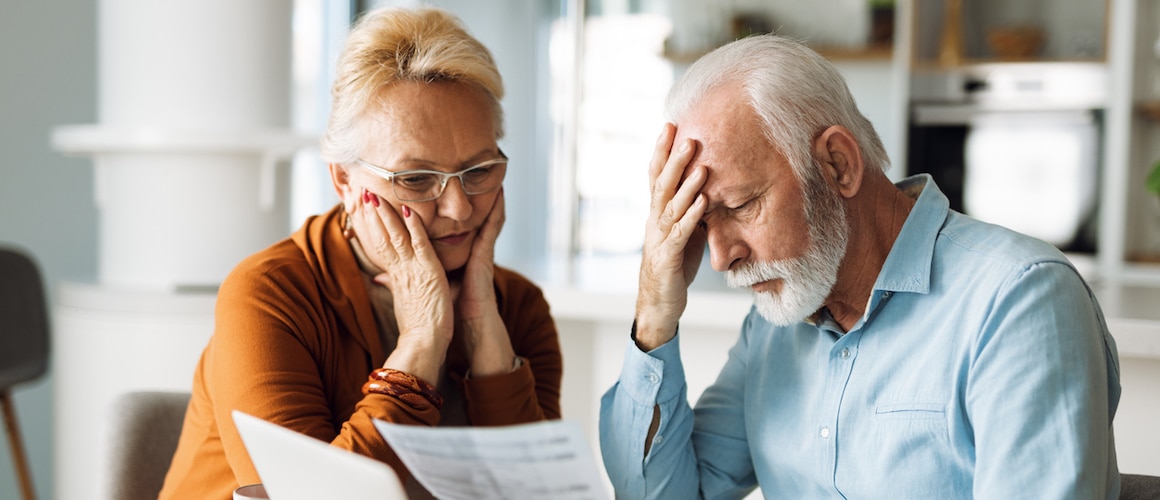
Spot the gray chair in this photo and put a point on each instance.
(23, 344)
(1139, 487)
(144, 430)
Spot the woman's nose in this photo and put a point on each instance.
(454, 203)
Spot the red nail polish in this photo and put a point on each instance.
(366, 196)
(406, 211)
(374, 199)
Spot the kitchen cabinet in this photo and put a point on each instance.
(1130, 221)
(1119, 35)
(967, 32)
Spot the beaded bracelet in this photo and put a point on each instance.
(402, 385)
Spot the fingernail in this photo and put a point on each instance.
(661, 137)
(366, 196)
(684, 146)
(406, 211)
(374, 199)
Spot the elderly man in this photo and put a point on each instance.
(895, 349)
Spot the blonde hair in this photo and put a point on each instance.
(391, 45)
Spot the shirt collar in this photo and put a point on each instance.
(907, 268)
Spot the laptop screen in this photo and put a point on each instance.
(294, 466)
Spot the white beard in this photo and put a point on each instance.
(806, 281)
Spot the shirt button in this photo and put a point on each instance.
(886, 295)
(825, 433)
(652, 377)
(658, 439)
(846, 353)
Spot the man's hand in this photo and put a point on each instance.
(673, 242)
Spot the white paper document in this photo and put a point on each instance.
(540, 460)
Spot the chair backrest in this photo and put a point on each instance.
(1139, 487)
(23, 319)
(144, 430)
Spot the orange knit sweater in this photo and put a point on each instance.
(295, 338)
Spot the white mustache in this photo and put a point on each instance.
(753, 273)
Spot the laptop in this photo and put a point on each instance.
(294, 466)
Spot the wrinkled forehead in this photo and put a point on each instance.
(731, 143)
(443, 123)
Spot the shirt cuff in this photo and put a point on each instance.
(656, 376)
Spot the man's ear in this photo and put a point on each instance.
(340, 176)
(841, 159)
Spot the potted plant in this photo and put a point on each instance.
(1152, 186)
(1152, 183)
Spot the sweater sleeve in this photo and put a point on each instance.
(268, 358)
(531, 392)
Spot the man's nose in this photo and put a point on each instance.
(726, 250)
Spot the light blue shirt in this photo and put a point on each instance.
(982, 368)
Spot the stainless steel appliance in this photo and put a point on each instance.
(1017, 144)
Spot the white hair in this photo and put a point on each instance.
(795, 91)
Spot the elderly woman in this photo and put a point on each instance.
(388, 306)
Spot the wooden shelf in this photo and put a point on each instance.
(881, 52)
(868, 53)
(928, 64)
(1149, 110)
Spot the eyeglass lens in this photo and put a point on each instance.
(423, 186)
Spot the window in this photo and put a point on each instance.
(608, 109)
(586, 83)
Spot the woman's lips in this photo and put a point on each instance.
(453, 239)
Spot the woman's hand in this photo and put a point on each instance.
(485, 334)
(673, 244)
(418, 284)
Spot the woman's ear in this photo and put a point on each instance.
(340, 176)
(841, 159)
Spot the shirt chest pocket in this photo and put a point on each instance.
(906, 441)
(911, 411)
(910, 433)
(911, 430)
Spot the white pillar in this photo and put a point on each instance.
(194, 108)
(188, 154)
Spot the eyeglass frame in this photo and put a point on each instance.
(444, 177)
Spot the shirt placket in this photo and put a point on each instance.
(839, 368)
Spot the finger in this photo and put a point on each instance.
(420, 243)
(685, 228)
(368, 233)
(664, 146)
(680, 202)
(389, 234)
(489, 232)
(669, 178)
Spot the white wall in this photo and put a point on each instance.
(47, 78)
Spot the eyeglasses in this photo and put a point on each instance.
(427, 185)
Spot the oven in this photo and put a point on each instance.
(1015, 144)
